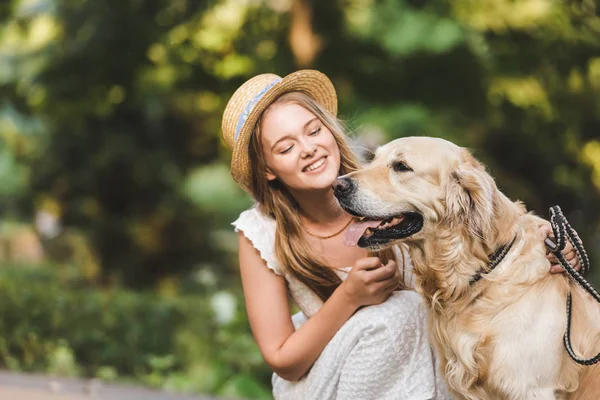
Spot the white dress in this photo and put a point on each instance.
(381, 352)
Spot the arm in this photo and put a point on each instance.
(291, 353)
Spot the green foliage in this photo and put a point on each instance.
(405, 30)
(171, 343)
(12, 175)
(43, 324)
(115, 145)
(211, 186)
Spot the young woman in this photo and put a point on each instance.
(288, 148)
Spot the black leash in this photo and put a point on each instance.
(563, 232)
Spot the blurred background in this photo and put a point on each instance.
(117, 258)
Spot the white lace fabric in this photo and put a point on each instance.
(260, 230)
(381, 352)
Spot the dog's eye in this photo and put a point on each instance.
(399, 166)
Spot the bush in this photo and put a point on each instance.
(169, 342)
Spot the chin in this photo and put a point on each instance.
(325, 181)
(319, 182)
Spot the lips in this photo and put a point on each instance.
(313, 166)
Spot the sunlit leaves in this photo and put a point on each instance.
(233, 65)
(591, 156)
(12, 175)
(500, 15)
(575, 82)
(359, 16)
(37, 33)
(220, 25)
(212, 189)
(402, 29)
(157, 53)
(522, 92)
(594, 73)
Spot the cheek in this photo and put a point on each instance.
(331, 143)
(332, 148)
(282, 166)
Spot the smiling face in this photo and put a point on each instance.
(299, 150)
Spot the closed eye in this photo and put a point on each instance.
(400, 166)
(315, 132)
(287, 150)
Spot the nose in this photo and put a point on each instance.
(309, 146)
(309, 150)
(343, 187)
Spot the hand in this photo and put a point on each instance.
(568, 252)
(370, 282)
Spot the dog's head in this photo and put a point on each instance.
(412, 186)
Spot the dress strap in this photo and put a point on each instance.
(260, 230)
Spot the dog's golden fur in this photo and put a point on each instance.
(501, 337)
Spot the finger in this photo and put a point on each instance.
(575, 264)
(545, 230)
(556, 269)
(387, 286)
(395, 280)
(367, 263)
(552, 258)
(392, 280)
(391, 288)
(568, 248)
(573, 260)
(392, 264)
(383, 273)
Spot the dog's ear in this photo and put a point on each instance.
(470, 198)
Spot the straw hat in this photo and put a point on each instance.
(253, 97)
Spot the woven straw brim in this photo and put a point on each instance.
(311, 82)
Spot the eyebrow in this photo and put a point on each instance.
(288, 136)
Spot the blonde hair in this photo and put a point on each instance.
(293, 251)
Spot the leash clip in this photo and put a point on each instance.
(550, 245)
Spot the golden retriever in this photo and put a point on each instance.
(500, 337)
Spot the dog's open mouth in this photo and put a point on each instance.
(367, 232)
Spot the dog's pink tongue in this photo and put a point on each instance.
(356, 230)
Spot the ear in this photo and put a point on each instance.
(470, 197)
(270, 175)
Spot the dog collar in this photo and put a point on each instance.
(495, 258)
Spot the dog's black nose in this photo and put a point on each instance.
(343, 187)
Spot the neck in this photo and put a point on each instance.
(320, 207)
(445, 266)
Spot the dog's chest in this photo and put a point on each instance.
(522, 341)
(528, 341)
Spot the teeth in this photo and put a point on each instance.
(315, 165)
(392, 222)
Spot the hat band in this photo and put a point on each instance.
(250, 106)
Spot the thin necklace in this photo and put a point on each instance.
(328, 236)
